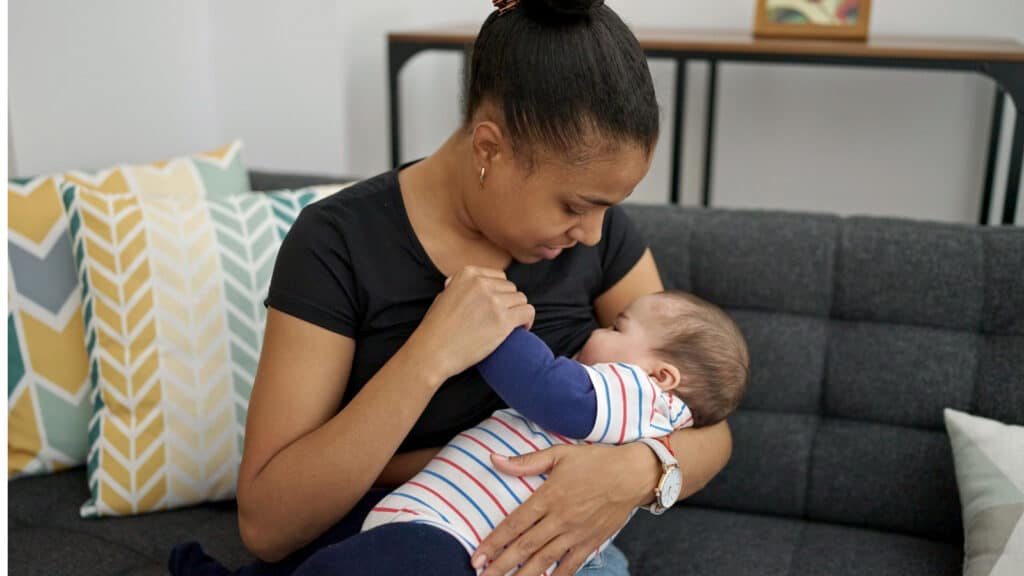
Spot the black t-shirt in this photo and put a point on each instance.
(353, 265)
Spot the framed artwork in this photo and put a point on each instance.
(844, 19)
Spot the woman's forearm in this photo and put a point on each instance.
(702, 453)
(402, 467)
(308, 486)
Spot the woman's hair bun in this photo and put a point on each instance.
(559, 10)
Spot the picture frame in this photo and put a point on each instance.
(819, 19)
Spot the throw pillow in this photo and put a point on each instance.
(172, 292)
(989, 460)
(47, 370)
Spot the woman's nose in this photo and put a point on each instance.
(588, 230)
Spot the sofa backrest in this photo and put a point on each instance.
(861, 330)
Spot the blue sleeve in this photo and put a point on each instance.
(556, 393)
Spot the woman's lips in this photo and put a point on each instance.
(549, 253)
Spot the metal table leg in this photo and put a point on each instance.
(1010, 77)
(993, 153)
(1013, 178)
(678, 131)
(709, 130)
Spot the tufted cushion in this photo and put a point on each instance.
(861, 330)
(700, 541)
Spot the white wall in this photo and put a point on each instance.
(96, 82)
(304, 83)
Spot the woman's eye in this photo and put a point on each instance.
(569, 209)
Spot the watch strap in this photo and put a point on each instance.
(668, 460)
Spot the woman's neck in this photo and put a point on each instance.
(436, 193)
(436, 188)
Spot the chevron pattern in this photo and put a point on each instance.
(52, 399)
(249, 235)
(286, 208)
(173, 291)
(194, 361)
(125, 471)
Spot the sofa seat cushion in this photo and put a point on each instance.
(703, 541)
(47, 536)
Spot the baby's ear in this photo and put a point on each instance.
(665, 375)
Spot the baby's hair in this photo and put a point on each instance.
(709, 350)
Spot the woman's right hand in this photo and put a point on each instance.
(475, 312)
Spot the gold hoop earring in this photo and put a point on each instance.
(483, 173)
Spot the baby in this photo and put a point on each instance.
(671, 360)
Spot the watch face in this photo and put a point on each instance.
(670, 487)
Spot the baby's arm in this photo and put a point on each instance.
(556, 393)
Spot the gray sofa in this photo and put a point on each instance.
(861, 331)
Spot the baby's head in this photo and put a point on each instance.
(688, 346)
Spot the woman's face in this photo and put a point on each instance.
(535, 214)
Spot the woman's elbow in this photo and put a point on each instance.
(254, 533)
(726, 434)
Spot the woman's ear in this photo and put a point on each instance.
(665, 375)
(488, 141)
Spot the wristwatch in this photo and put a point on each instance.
(667, 491)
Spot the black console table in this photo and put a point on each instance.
(1000, 60)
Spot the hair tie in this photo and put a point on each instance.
(504, 5)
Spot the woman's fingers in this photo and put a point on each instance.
(521, 547)
(574, 559)
(478, 308)
(480, 271)
(507, 531)
(523, 316)
(498, 285)
(525, 516)
(531, 464)
(510, 300)
(580, 501)
(530, 548)
(484, 271)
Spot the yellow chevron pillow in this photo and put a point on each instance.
(47, 371)
(172, 292)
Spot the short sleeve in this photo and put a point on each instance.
(312, 278)
(621, 247)
(630, 406)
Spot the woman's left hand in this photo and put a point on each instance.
(589, 494)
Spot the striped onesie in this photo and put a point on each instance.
(555, 401)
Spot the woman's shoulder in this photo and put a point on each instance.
(365, 205)
(378, 189)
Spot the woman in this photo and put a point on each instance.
(367, 363)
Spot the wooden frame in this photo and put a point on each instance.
(765, 27)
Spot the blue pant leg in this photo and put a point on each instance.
(610, 562)
(400, 549)
(189, 559)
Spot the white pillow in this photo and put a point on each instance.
(989, 460)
